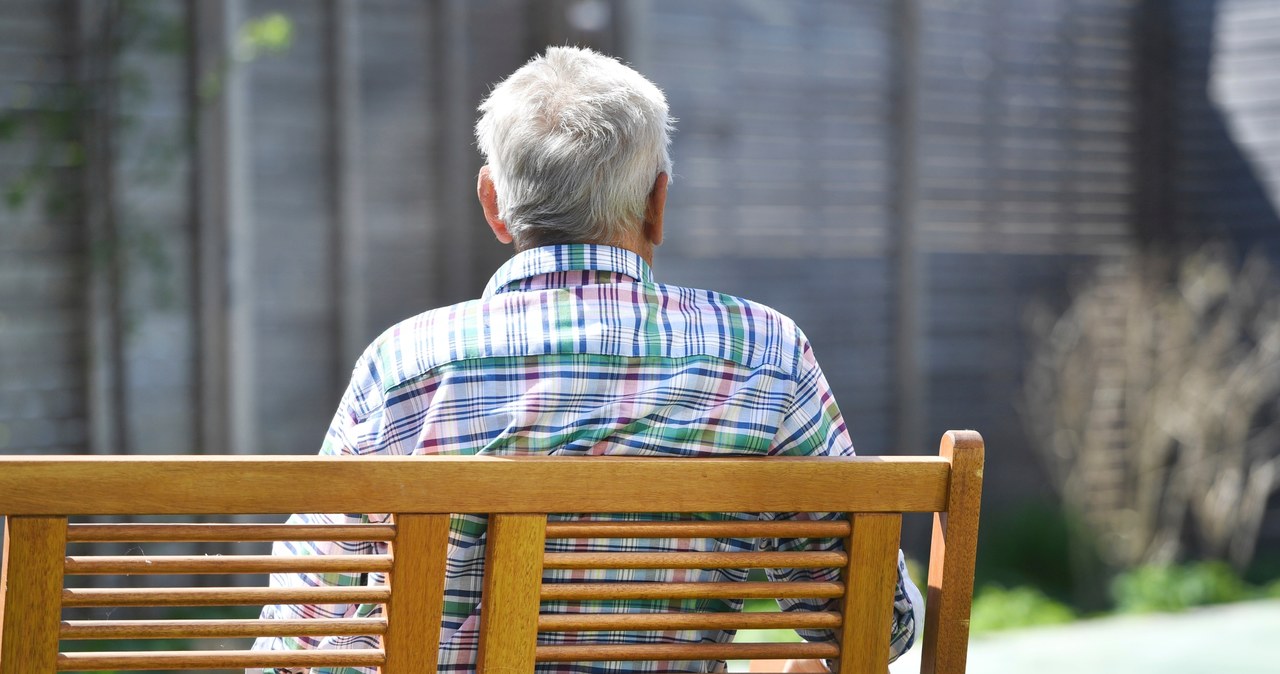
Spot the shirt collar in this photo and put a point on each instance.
(566, 258)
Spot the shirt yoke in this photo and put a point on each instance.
(624, 320)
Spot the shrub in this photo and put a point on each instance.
(1174, 588)
(995, 608)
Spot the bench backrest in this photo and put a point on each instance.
(37, 495)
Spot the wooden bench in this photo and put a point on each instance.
(38, 494)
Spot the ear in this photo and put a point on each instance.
(654, 210)
(488, 196)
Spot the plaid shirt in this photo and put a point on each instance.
(574, 350)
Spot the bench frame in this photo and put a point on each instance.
(37, 494)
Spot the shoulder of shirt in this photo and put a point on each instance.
(421, 343)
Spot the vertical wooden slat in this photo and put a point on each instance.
(419, 556)
(512, 584)
(30, 593)
(951, 558)
(870, 579)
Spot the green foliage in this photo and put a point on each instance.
(1036, 544)
(1174, 588)
(995, 608)
(267, 34)
(9, 125)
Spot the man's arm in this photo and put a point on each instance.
(814, 426)
(354, 429)
(334, 579)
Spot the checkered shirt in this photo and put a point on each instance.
(574, 350)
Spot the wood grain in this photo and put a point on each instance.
(223, 596)
(169, 660)
(693, 560)
(700, 529)
(249, 485)
(608, 652)
(871, 577)
(153, 533)
(213, 629)
(508, 490)
(509, 603)
(30, 588)
(952, 556)
(766, 620)
(420, 553)
(224, 564)
(745, 590)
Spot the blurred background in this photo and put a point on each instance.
(1054, 221)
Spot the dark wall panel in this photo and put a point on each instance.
(153, 229)
(782, 162)
(43, 259)
(290, 153)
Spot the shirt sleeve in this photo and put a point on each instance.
(813, 426)
(354, 430)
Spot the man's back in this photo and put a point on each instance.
(574, 350)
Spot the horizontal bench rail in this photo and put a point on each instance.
(222, 596)
(226, 533)
(218, 629)
(765, 620)
(223, 564)
(616, 652)
(700, 529)
(744, 590)
(693, 560)
(170, 660)
(381, 484)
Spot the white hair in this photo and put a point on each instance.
(574, 141)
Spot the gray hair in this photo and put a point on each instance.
(574, 141)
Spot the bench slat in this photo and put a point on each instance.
(30, 581)
(225, 485)
(224, 564)
(222, 596)
(951, 558)
(414, 610)
(607, 652)
(226, 533)
(211, 629)
(693, 560)
(745, 590)
(509, 599)
(700, 529)
(767, 620)
(872, 569)
(169, 660)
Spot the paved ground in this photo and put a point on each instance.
(1234, 639)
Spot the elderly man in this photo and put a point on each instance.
(574, 349)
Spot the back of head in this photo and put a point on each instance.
(574, 141)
